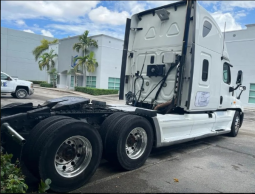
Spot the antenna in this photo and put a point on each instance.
(223, 40)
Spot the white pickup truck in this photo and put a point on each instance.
(18, 88)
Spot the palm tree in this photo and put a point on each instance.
(83, 45)
(50, 58)
(47, 60)
(43, 47)
(43, 63)
(81, 62)
(91, 63)
(53, 76)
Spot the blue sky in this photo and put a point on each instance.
(61, 19)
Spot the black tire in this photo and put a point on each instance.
(116, 141)
(52, 138)
(13, 95)
(30, 154)
(235, 125)
(20, 91)
(109, 121)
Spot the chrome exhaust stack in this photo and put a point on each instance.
(14, 134)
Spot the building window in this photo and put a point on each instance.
(205, 70)
(226, 73)
(206, 28)
(252, 94)
(113, 83)
(72, 81)
(91, 82)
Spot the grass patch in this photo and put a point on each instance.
(95, 91)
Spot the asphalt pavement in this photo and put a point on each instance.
(211, 165)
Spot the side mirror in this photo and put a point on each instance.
(239, 79)
(242, 88)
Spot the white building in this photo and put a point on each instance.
(241, 50)
(17, 59)
(108, 55)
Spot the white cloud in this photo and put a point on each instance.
(56, 10)
(240, 14)
(242, 4)
(135, 7)
(208, 3)
(46, 33)
(30, 31)
(221, 18)
(20, 22)
(132, 7)
(105, 16)
(93, 28)
(154, 4)
(230, 4)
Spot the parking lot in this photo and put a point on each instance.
(215, 164)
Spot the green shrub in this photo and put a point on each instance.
(44, 186)
(95, 91)
(12, 179)
(37, 82)
(46, 85)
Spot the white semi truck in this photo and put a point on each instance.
(176, 81)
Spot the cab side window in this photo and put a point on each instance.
(205, 70)
(226, 73)
(3, 76)
(207, 26)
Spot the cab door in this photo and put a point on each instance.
(225, 99)
(6, 85)
(224, 118)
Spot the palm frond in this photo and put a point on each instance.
(84, 42)
(37, 52)
(91, 63)
(47, 60)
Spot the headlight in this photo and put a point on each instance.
(32, 86)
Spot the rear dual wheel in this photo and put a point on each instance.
(67, 151)
(129, 141)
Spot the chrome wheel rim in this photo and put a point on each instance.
(21, 94)
(237, 124)
(73, 156)
(136, 143)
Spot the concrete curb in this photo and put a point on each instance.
(75, 92)
(55, 89)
